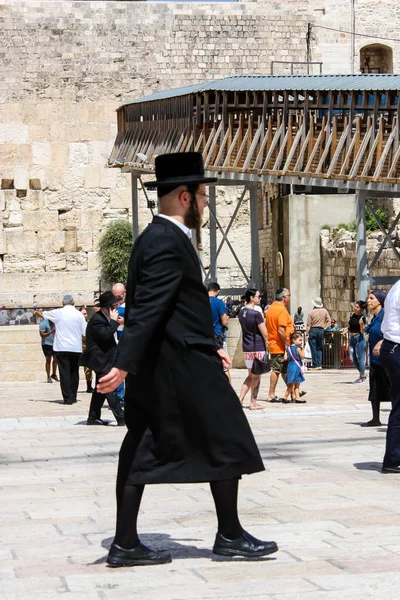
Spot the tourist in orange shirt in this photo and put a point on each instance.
(279, 326)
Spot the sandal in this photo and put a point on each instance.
(275, 399)
(301, 401)
(288, 401)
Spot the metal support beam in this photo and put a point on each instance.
(255, 251)
(362, 268)
(213, 233)
(135, 207)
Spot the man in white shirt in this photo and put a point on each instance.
(390, 360)
(70, 327)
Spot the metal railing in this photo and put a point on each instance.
(336, 351)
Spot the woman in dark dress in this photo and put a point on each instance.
(379, 386)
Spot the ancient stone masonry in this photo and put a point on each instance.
(339, 269)
(65, 68)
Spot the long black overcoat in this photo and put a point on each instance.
(100, 343)
(185, 421)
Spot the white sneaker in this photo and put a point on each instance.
(359, 380)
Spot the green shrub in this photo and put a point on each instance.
(370, 222)
(115, 247)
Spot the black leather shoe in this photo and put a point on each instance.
(121, 422)
(96, 422)
(389, 469)
(371, 423)
(141, 555)
(245, 545)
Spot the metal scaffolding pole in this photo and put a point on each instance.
(362, 267)
(213, 233)
(255, 251)
(135, 207)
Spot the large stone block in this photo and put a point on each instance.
(59, 154)
(74, 177)
(11, 284)
(93, 261)
(17, 240)
(78, 153)
(52, 241)
(70, 241)
(24, 155)
(12, 202)
(80, 281)
(91, 218)
(41, 153)
(121, 198)
(92, 199)
(33, 200)
(56, 262)
(47, 299)
(98, 152)
(76, 261)
(84, 241)
(15, 219)
(21, 178)
(93, 176)
(70, 220)
(8, 155)
(41, 220)
(24, 263)
(44, 282)
(59, 200)
(2, 200)
(14, 133)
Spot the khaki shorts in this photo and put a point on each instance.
(278, 365)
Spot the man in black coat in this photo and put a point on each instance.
(185, 422)
(99, 356)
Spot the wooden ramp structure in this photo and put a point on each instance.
(325, 131)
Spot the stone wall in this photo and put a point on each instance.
(339, 269)
(21, 345)
(68, 65)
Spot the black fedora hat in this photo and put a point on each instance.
(181, 168)
(106, 299)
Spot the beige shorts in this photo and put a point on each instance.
(278, 365)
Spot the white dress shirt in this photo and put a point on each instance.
(185, 229)
(70, 327)
(391, 319)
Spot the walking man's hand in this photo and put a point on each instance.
(111, 381)
(226, 361)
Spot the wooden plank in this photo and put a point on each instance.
(384, 154)
(325, 153)
(392, 170)
(267, 138)
(317, 144)
(304, 146)
(222, 147)
(339, 148)
(296, 142)
(231, 148)
(272, 146)
(281, 152)
(253, 147)
(213, 145)
(361, 152)
(241, 149)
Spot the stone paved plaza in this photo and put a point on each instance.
(321, 497)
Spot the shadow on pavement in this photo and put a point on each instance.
(368, 466)
(163, 541)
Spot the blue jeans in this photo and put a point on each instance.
(120, 391)
(316, 341)
(357, 352)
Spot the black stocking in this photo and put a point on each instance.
(375, 410)
(225, 495)
(126, 534)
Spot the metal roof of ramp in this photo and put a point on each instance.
(322, 130)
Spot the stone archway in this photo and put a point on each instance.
(376, 58)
